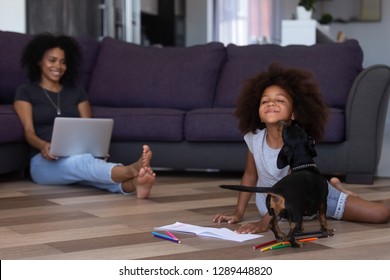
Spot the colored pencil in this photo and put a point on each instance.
(280, 246)
(171, 235)
(308, 239)
(168, 238)
(309, 233)
(160, 234)
(165, 237)
(285, 244)
(264, 244)
(275, 243)
(269, 247)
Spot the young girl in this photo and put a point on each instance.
(290, 95)
(52, 64)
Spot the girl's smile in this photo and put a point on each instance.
(275, 105)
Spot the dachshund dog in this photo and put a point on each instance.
(303, 192)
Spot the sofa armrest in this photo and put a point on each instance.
(365, 119)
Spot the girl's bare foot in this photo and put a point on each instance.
(142, 184)
(335, 182)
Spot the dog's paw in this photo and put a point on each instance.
(330, 232)
(327, 232)
(296, 244)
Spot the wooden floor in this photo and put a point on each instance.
(77, 222)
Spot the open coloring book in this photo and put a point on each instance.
(221, 233)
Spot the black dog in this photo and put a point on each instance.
(301, 193)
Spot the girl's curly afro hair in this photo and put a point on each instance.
(308, 106)
(36, 48)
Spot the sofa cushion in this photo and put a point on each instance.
(334, 65)
(11, 71)
(212, 124)
(129, 75)
(335, 128)
(220, 124)
(11, 129)
(143, 124)
(89, 50)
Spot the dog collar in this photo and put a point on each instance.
(304, 166)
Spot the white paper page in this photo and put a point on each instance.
(221, 233)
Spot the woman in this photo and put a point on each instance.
(52, 63)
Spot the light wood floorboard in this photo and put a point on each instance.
(79, 222)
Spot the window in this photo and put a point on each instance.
(244, 22)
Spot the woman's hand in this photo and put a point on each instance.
(45, 152)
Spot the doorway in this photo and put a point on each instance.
(146, 22)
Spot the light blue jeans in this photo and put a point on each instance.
(336, 204)
(81, 169)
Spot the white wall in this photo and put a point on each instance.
(375, 40)
(13, 15)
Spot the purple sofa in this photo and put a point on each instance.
(181, 101)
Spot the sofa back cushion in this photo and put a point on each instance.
(89, 50)
(334, 65)
(11, 71)
(129, 75)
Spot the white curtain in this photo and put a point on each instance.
(244, 22)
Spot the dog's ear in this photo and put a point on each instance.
(312, 147)
(284, 157)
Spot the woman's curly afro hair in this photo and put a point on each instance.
(36, 48)
(308, 106)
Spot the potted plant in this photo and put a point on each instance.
(307, 4)
(324, 22)
(326, 19)
(305, 9)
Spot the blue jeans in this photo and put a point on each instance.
(82, 169)
(336, 203)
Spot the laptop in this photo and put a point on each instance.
(72, 136)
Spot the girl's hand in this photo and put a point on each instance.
(261, 226)
(231, 218)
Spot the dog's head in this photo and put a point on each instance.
(298, 148)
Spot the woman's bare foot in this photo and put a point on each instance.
(335, 182)
(143, 161)
(142, 184)
(122, 173)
